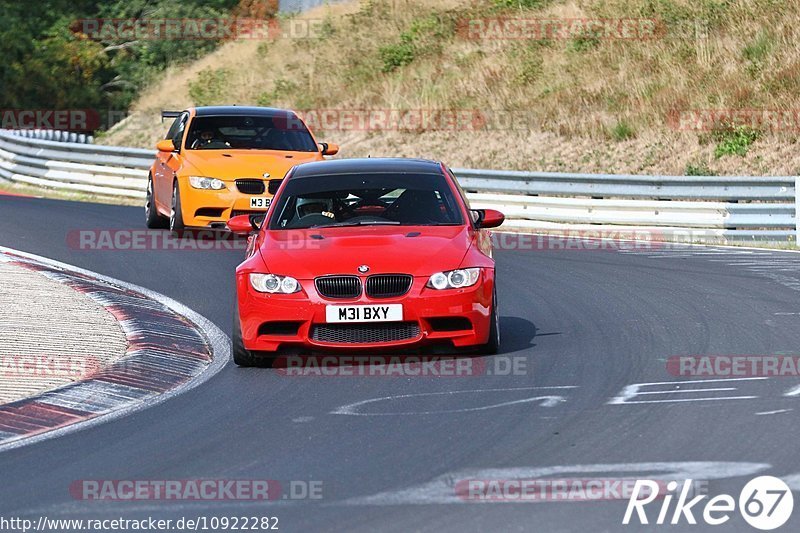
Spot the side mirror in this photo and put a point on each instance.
(329, 148)
(273, 186)
(489, 218)
(165, 146)
(241, 225)
(257, 220)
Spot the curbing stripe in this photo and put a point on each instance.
(171, 349)
(95, 396)
(29, 417)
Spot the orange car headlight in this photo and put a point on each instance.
(200, 182)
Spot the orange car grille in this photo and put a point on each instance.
(250, 186)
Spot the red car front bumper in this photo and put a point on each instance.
(459, 318)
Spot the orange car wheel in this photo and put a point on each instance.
(175, 214)
(152, 219)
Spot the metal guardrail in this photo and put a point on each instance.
(685, 208)
(102, 170)
(694, 207)
(56, 135)
(733, 188)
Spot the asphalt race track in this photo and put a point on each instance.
(587, 324)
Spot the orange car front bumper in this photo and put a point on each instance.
(204, 208)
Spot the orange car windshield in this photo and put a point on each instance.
(278, 132)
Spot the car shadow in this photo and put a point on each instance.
(517, 334)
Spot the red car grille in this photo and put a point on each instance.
(377, 286)
(365, 333)
(388, 285)
(338, 286)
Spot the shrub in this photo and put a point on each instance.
(424, 36)
(528, 4)
(394, 56)
(583, 42)
(209, 87)
(700, 169)
(285, 91)
(622, 131)
(734, 141)
(756, 54)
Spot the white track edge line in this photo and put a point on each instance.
(220, 346)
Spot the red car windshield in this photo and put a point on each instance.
(366, 200)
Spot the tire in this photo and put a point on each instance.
(152, 219)
(241, 355)
(493, 344)
(176, 215)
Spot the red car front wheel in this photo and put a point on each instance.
(241, 355)
(493, 344)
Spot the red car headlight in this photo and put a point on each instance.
(274, 284)
(454, 279)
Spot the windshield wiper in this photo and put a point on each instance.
(359, 223)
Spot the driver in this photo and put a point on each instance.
(206, 137)
(315, 206)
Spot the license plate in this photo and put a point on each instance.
(260, 203)
(364, 313)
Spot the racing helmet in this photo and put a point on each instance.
(311, 206)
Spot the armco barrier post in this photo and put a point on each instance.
(797, 211)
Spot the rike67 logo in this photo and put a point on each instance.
(765, 503)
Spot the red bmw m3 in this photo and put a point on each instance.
(366, 254)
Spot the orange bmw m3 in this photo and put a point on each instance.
(216, 163)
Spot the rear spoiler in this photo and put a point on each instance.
(170, 114)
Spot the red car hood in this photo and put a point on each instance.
(415, 250)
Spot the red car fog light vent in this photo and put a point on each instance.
(283, 328)
(450, 323)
